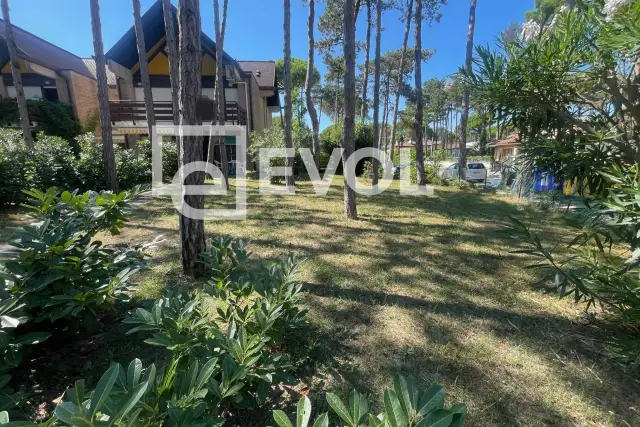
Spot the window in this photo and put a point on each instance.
(476, 166)
(50, 94)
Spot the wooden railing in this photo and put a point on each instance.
(135, 111)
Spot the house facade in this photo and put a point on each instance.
(251, 94)
(51, 73)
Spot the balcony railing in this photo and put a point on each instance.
(135, 111)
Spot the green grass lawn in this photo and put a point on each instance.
(422, 286)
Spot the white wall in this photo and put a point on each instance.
(30, 92)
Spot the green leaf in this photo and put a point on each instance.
(431, 399)
(103, 389)
(322, 421)
(133, 373)
(281, 419)
(437, 418)
(66, 411)
(205, 373)
(358, 406)
(393, 409)
(402, 391)
(130, 400)
(304, 412)
(459, 411)
(339, 408)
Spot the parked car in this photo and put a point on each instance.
(476, 172)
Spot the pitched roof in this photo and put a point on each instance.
(125, 51)
(33, 48)
(264, 72)
(90, 63)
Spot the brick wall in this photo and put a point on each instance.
(84, 96)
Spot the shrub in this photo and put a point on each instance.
(404, 406)
(56, 270)
(134, 166)
(255, 309)
(169, 160)
(601, 265)
(51, 164)
(331, 138)
(13, 166)
(51, 118)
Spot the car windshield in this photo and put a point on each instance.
(476, 166)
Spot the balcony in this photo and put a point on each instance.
(135, 111)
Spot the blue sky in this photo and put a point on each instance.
(254, 29)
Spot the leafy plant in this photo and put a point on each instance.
(254, 308)
(57, 270)
(404, 406)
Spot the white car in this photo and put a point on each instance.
(476, 172)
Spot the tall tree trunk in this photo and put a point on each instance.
(219, 96)
(348, 127)
(365, 84)
(417, 120)
(385, 112)
(110, 174)
(405, 41)
(172, 55)
(144, 68)
(376, 89)
(465, 99)
(191, 230)
(320, 110)
(288, 113)
(315, 123)
(17, 76)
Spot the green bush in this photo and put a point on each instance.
(56, 271)
(53, 162)
(404, 406)
(600, 267)
(256, 307)
(331, 138)
(13, 166)
(51, 118)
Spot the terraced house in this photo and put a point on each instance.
(52, 73)
(251, 92)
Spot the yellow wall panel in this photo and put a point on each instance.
(159, 65)
(208, 66)
(23, 67)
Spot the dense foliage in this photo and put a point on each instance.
(51, 118)
(56, 276)
(53, 163)
(273, 137)
(404, 406)
(218, 361)
(570, 88)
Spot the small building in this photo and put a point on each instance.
(251, 93)
(51, 73)
(505, 150)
